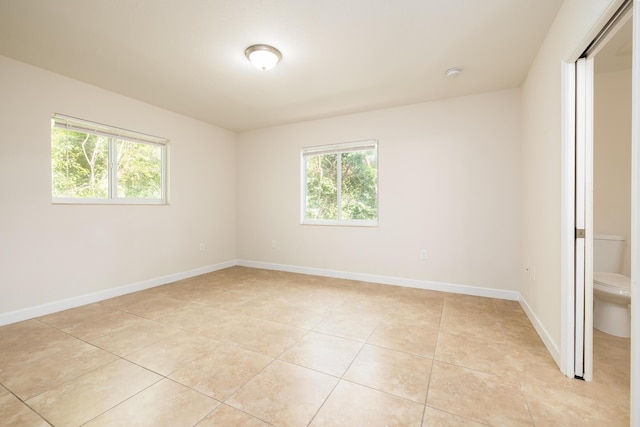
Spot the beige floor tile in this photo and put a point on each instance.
(165, 403)
(437, 418)
(176, 290)
(354, 405)
(89, 325)
(469, 303)
(67, 319)
(14, 413)
(319, 299)
(196, 318)
(230, 300)
(173, 353)
(259, 335)
(29, 377)
(483, 353)
(155, 307)
(478, 396)
(226, 416)
(134, 336)
(82, 399)
(203, 294)
(124, 301)
(31, 340)
(568, 402)
(506, 306)
(415, 338)
(257, 292)
(298, 316)
(366, 306)
(325, 353)
(222, 372)
(530, 365)
(410, 312)
(517, 329)
(539, 372)
(422, 297)
(348, 325)
(611, 365)
(467, 319)
(229, 284)
(236, 273)
(284, 394)
(401, 374)
(490, 362)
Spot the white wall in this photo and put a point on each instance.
(50, 253)
(542, 180)
(612, 157)
(449, 183)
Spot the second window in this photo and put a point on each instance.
(340, 184)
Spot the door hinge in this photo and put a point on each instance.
(579, 233)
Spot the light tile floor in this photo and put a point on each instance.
(249, 347)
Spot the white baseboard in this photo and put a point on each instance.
(386, 280)
(551, 345)
(44, 309)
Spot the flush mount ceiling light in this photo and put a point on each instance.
(263, 56)
(453, 72)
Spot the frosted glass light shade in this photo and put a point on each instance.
(263, 56)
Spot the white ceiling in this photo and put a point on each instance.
(339, 56)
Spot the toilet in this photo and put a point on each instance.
(611, 290)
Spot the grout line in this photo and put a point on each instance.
(307, 331)
(324, 402)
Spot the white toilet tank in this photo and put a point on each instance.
(608, 253)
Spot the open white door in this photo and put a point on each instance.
(635, 220)
(583, 192)
(583, 334)
(577, 353)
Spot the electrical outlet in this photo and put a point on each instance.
(423, 254)
(201, 247)
(274, 244)
(531, 271)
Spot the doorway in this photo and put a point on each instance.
(603, 127)
(577, 354)
(612, 193)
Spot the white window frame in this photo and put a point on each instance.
(114, 134)
(337, 149)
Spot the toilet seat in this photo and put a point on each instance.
(612, 283)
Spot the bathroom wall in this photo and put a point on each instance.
(612, 157)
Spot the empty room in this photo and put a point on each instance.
(328, 213)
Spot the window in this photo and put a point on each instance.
(96, 163)
(340, 184)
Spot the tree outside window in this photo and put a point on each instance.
(96, 163)
(341, 184)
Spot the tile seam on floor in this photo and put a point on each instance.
(382, 391)
(123, 401)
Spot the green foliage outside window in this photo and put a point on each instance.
(359, 185)
(349, 195)
(81, 166)
(322, 187)
(139, 170)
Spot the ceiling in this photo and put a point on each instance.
(339, 56)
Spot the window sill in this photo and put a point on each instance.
(129, 202)
(364, 223)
